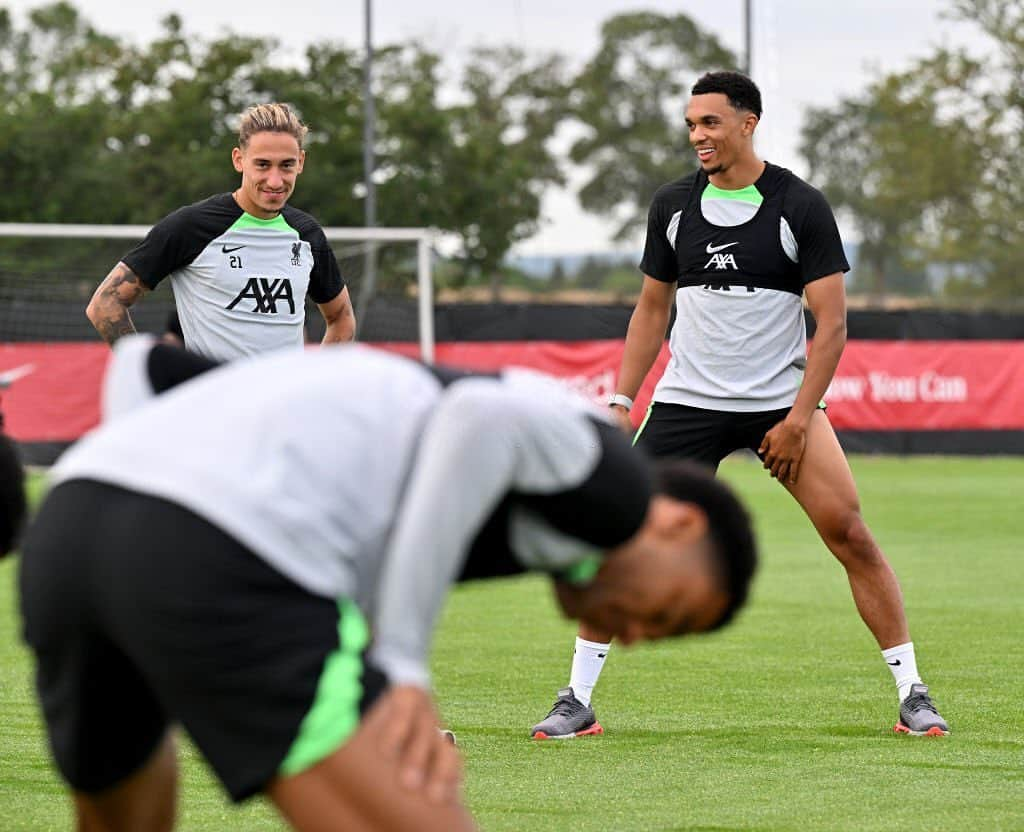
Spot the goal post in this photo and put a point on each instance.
(370, 240)
(48, 272)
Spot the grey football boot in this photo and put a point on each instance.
(918, 716)
(567, 719)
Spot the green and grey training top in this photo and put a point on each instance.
(740, 261)
(239, 282)
(367, 476)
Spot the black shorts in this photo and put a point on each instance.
(141, 614)
(705, 436)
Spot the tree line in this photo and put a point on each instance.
(925, 164)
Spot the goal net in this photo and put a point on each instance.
(48, 273)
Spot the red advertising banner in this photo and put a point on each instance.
(929, 385)
(56, 392)
(590, 367)
(879, 386)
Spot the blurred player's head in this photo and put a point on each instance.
(269, 156)
(12, 495)
(722, 115)
(687, 570)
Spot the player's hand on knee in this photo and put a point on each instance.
(782, 449)
(407, 723)
(444, 774)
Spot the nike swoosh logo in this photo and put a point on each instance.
(712, 249)
(8, 377)
(896, 663)
(229, 249)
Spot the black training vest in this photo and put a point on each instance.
(743, 257)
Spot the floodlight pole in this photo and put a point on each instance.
(369, 139)
(369, 122)
(748, 37)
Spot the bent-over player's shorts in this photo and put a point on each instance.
(705, 436)
(142, 614)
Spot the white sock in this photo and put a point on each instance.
(587, 661)
(903, 664)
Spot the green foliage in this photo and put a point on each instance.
(991, 229)
(98, 129)
(927, 163)
(53, 115)
(478, 166)
(630, 98)
(103, 131)
(783, 721)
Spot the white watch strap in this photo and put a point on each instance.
(621, 400)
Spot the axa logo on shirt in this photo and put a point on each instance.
(720, 261)
(266, 292)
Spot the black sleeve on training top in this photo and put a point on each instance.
(325, 281)
(169, 366)
(180, 237)
(610, 505)
(489, 554)
(603, 511)
(819, 246)
(660, 260)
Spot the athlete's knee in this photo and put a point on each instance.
(157, 815)
(850, 539)
(145, 801)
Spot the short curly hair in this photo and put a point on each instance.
(729, 526)
(742, 93)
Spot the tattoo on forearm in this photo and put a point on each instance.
(123, 285)
(112, 329)
(109, 307)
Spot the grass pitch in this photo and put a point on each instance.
(781, 722)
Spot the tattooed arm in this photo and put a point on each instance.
(108, 309)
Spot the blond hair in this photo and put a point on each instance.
(272, 118)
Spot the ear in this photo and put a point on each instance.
(678, 518)
(750, 124)
(236, 158)
(302, 161)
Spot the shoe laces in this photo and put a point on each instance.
(566, 706)
(919, 702)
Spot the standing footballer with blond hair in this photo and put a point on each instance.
(241, 264)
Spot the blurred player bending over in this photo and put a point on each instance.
(207, 557)
(12, 493)
(241, 264)
(12, 480)
(735, 246)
